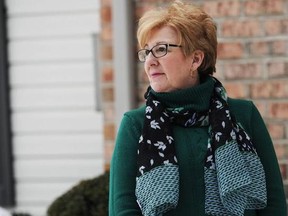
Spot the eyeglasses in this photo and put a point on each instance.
(157, 51)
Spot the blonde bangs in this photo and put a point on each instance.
(151, 20)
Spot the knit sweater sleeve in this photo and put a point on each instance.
(276, 202)
(122, 199)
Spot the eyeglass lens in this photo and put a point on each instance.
(157, 51)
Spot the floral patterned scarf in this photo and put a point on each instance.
(234, 176)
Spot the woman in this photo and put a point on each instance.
(191, 150)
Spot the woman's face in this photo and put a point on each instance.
(172, 71)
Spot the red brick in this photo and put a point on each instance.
(278, 110)
(107, 75)
(106, 52)
(276, 131)
(285, 26)
(139, 11)
(106, 33)
(219, 70)
(107, 164)
(262, 108)
(275, 6)
(222, 8)
(242, 71)
(109, 149)
(109, 112)
(260, 48)
(106, 15)
(254, 7)
(285, 144)
(280, 153)
(264, 7)
(273, 27)
(235, 28)
(236, 90)
(106, 2)
(277, 69)
(283, 169)
(279, 47)
(270, 89)
(156, 2)
(230, 50)
(109, 131)
(279, 89)
(260, 90)
(108, 94)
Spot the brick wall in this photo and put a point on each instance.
(107, 78)
(252, 61)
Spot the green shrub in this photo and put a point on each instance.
(88, 198)
(20, 214)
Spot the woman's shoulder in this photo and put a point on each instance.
(241, 107)
(244, 111)
(240, 104)
(136, 113)
(134, 117)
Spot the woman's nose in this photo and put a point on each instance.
(151, 59)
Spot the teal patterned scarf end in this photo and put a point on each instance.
(157, 191)
(233, 187)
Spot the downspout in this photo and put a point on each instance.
(7, 193)
(123, 57)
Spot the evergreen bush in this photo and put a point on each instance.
(20, 214)
(88, 198)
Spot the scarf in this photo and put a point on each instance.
(233, 174)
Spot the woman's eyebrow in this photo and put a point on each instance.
(157, 43)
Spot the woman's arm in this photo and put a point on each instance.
(122, 199)
(276, 201)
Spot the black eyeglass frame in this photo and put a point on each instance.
(147, 51)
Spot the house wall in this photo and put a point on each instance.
(252, 61)
(107, 78)
(57, 130)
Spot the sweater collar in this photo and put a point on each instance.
(196, 98)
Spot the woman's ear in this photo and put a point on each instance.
(197, 59)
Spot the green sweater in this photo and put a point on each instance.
(191, 148)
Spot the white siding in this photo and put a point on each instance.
(16, 7)
(51, 74)
(53, 97)
(57, 132)
(50, 51)
(44, 26)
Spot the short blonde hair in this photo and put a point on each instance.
(196, 30)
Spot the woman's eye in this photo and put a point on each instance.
(161, 49)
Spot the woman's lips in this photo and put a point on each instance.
(156, 74)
